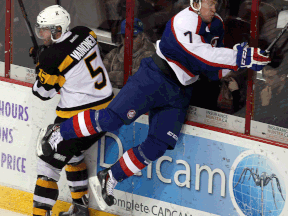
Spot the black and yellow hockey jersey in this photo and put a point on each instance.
(74, 67)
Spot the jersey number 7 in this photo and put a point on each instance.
(190, 35)
(96, 72)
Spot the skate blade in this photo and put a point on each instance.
(41, 134)
(97, 192)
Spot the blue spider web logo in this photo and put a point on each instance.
(258, 187)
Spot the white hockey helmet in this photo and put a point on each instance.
(200, 4)
(196, 1)
(52, 17)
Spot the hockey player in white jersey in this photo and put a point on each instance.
(71, 64)
(192, 43)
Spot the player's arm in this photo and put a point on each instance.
(204, 55)
(212, 59)
(48, 82)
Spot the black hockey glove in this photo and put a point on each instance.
(35, 53)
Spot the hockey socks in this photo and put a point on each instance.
(45, 195)
(129, 164)
(77, 177)
(81, 125)
(137, 158)
(90, 122)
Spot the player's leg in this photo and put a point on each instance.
(165, 123)
(45, 195)
(132, 161)
(132, 101)
(48, 174)
(77, 178)
(164, 127)
(46, 189)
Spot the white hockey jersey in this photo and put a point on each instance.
(191, 47)
(74, 67)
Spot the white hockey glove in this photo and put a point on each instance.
(250, 57)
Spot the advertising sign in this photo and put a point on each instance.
(270, 132)
(217, 119)
(208, 173)
(21, 116)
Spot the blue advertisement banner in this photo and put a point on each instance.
(201, 174)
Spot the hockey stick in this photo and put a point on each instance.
(31, 33)
(275, 40)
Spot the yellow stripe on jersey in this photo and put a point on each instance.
(67, 61)
(93, 34)
(61, 81)
(78, 195)
(47, 184)
(69, 114)
(80, 167)
(37, 211)
(51, 79)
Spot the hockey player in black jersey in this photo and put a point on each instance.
(70, 64)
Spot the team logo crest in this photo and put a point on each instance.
(214, 41)
(131, 114)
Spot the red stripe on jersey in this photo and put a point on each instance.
(202, 39)
(198, 57)
(181, 66)
(134, 160)
(199, 25)
(77, 127)
(220, 74)
(88, 122)
(124, 167)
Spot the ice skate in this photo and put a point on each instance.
(77, 209)
(102, 187)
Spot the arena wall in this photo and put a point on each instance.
(198, 178)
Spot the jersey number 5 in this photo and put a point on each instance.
(96, 72)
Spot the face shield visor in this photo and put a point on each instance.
(45, 32)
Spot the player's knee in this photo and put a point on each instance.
(76, 165)
(45, 178)
(76, 160)
(109, 120)
(153, 148)
(45, 169)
